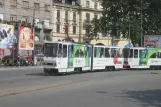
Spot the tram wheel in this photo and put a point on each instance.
(107, 68)
(113, 69)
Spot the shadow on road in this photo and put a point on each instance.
(147, 98)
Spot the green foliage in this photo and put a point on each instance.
(92, 29)
(118, 14)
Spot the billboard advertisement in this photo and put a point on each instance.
(153, 41)
(26, 41)
(7, 37)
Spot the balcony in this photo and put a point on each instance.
(48, 26)
(39, 25)
(68, 2)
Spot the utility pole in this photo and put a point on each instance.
(33, 30)
(129, 30)
(141, 25)
(80, 23)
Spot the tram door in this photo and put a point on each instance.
(134, 57)
(62, 56)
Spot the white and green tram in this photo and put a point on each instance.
(65, 57)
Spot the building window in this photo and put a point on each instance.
(66, 16)
(58, 15)
(47, 8)
(13, 18)
(1, 3)
(36, 5)
(74, 29)
(87, 3)
(74, 17)
(58, 28)
(95, 5)
(25, 4)
(24, 19)
(87, 17)
(95, 16)
(13, 3)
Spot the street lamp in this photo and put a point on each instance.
(141, 25)
(129, 29)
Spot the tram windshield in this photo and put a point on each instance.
(50, 49)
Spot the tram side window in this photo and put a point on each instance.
(131, 53)
(113, 52)
(70, 50)
(60, 51)
(77, 53)
(102, 52)
(64, 50)
(107, 53)
(135, 53)
(89, 52)
(153, 55)
(158, 55)
(95, 52)
(119, 53)
(81, 52)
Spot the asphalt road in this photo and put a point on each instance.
(33, 88)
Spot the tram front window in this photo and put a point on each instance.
(50, 49)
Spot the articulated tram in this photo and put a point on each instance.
(64, 57)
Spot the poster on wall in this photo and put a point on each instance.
(7, 37)
(1, 52)
(26, 41)
(153, 41)
(26, 54)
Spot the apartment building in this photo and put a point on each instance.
(75, 14)
(66, 16)
(52, 17)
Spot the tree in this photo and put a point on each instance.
(92, 29)
(117, 15)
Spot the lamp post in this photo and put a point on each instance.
(129, 29)
(141, 25)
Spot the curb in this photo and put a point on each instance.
(11, 68)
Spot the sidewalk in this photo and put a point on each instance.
(19, 67)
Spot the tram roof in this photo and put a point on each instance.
(137, 48)
(107, 46)
(66, 42)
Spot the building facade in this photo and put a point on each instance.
(76, 14)
(52, 17)
(30, 13)
(65, 16)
